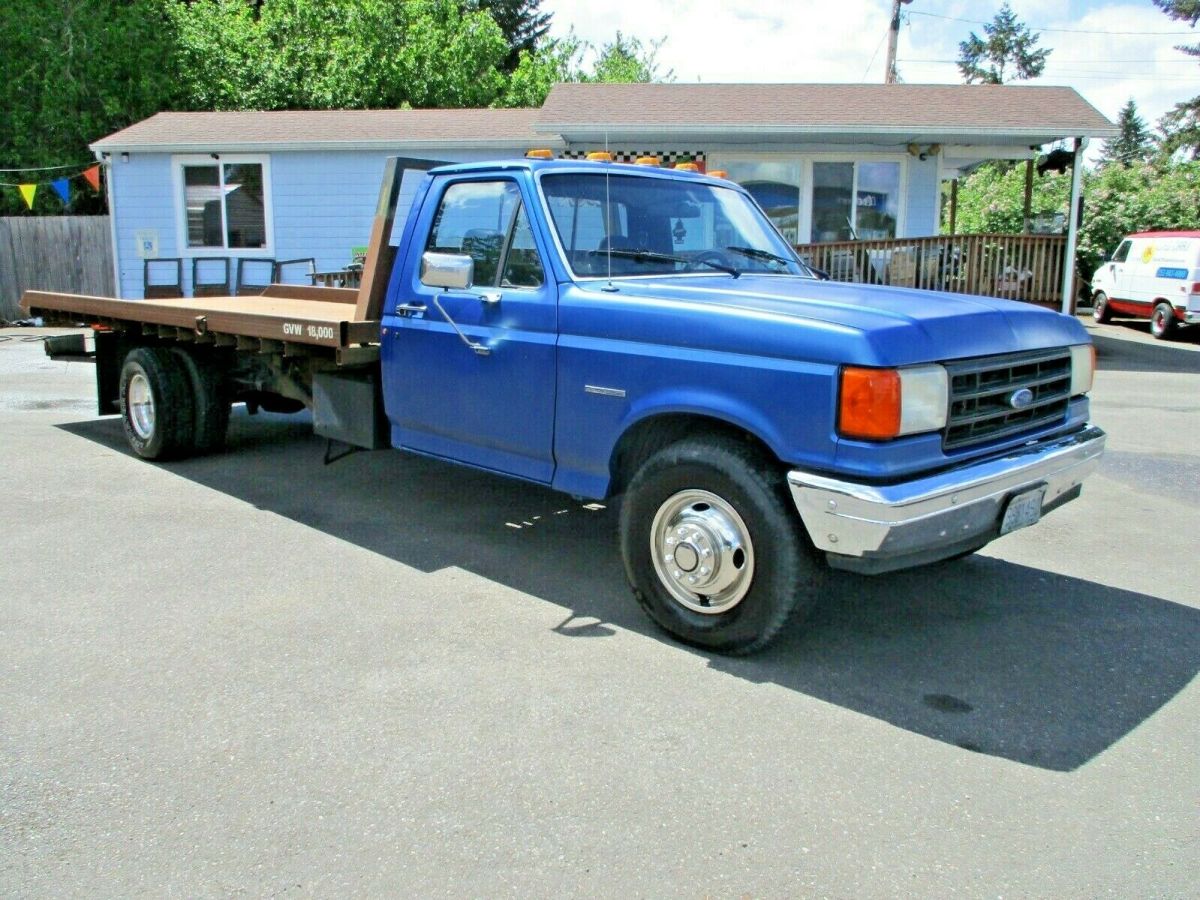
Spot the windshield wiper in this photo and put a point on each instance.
(755, 253)
(653, 256)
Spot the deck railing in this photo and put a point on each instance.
(1014, 266)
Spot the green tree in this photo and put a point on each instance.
(309, 54)
(1007, 52)
(619, 60)
(991, 200)
(1180, 127)
(71, 72)
(1133, 144)
(523, 23)
(628, 60)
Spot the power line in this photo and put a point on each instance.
(1191, 62)
(1061, 30)
(86, 165)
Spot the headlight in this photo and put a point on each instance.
(1083, 368)
(880, 404)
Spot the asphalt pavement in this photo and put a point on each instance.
(255, 674)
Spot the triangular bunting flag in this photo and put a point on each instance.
(27, 191)
(93, 177)
(61, 188)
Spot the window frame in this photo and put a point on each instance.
(508, 235)
(180, 162)
(721, 159)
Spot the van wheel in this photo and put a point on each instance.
(1162, 321)
(1101, 311)
(157, 410)
(712, 546)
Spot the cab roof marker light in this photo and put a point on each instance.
(686, 167)
(540, 154)
(718, 173)
(648, 161)
(599, 156)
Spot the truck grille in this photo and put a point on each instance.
(981, 392)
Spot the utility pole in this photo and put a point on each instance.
(893, 34)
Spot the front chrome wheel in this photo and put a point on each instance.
(702, 552)
(140, 401)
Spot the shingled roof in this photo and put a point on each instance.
(946, 112)
(949, 114)
(184, 132)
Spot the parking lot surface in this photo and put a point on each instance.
(255, 674)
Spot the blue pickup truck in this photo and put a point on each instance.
(634, 332)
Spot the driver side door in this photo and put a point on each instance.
(491, 407)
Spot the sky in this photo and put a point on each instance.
(1108, 51)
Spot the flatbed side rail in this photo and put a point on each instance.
(284, 320)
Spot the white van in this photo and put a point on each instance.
(1154, 275)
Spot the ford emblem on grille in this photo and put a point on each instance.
(1020, 399)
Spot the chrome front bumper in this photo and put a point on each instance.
(871, 529)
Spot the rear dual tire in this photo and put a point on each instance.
(172, 404)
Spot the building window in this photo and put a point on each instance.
(855, 201)
(776, 187)
(225, 203)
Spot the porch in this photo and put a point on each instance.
(1013, 266)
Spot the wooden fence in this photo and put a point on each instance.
(1015, 266)
(72, 254)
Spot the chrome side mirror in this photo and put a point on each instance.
(452, 271)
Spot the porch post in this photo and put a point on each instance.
(1028, 192)
(953, 204)
(1073, 213)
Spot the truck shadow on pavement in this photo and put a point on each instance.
(993, 657)
(1116, 353)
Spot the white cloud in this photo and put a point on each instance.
(821, 41)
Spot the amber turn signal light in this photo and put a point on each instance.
(869, 405)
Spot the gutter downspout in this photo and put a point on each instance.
(112, 218)
(1073, 215)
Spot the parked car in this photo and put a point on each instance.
(1153, 275)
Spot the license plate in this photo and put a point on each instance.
(1023, 510)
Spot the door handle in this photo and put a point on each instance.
(408, 309)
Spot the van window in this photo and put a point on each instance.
(1122, 252)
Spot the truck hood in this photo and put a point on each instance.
(886, 325)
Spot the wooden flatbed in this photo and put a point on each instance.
(293, 320)
(291, 315)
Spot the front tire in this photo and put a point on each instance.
(157, 409)
(1162, 321)
(712, 546)
(1101, 311)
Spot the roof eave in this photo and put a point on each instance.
(569, 130)
(112, 145)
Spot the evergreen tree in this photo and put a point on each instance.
(1134, 143)
(1181, 126)
(1008, 52)
(523, 23)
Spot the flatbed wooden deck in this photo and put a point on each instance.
(287, 314)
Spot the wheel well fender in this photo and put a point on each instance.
(646, 435)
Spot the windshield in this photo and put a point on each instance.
(624, 225)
